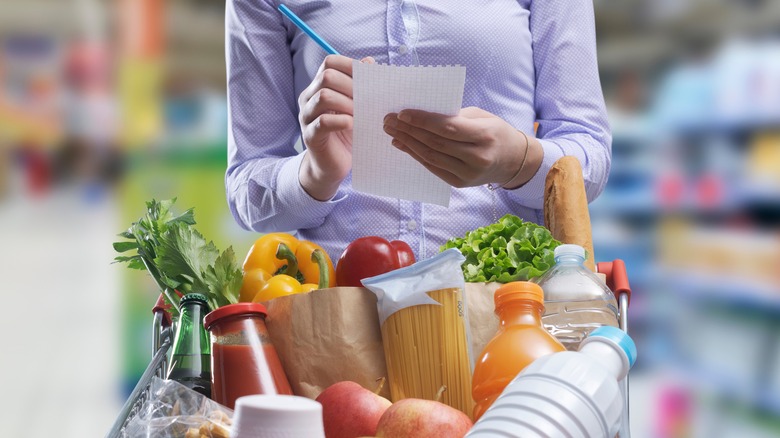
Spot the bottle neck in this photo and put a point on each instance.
(609, 356)
(191, 337)
(569, 259)
(520, 312)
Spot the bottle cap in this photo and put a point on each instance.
(277, 416)
(619, 338)
(569, 249)
(193, 297)
(233, 310)
(518, 290)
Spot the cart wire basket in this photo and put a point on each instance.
(162, 339)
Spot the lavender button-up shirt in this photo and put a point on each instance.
(525, 61)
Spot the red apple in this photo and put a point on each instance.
(418, 418)
(350, 411)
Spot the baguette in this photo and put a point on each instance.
(566, 212)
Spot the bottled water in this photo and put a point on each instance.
(576, 301)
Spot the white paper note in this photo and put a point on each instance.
(377, 166)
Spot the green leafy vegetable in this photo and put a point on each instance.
(179, 258)
(508, 250)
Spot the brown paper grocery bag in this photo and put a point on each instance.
(483, 321)
(327, 336)
(331, 335)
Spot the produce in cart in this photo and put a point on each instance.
(369, 256)
(421, 418)
(350, 410)
(179, 258)
(278, 264)
(509, 250)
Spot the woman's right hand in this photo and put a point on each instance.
(326, 123)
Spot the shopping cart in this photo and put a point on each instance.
(162, 338)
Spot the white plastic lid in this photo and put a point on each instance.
(276, 416)
(617, 337)
(570, 250)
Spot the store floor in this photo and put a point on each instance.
(60, 301)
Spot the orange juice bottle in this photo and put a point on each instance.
(521, 339)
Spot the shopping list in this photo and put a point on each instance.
(378, 167)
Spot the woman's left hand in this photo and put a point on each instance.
(472, 148)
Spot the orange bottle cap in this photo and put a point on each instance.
(518, 290)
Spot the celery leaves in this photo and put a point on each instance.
(179, 258)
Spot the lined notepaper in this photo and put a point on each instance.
(377, 166)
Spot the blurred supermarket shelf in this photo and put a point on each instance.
(732, 290)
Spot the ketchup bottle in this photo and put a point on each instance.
(243, 359)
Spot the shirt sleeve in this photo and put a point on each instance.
(261, 180)
(569, 103)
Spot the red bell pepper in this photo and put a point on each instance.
(369, 256)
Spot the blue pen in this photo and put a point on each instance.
(302, 26)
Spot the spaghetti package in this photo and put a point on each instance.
(425, 332)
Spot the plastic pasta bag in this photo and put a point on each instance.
(425, 330)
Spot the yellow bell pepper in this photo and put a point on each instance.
(259, 285)
(254, 280)
(278, 286)
(263, 255)
(286, 284)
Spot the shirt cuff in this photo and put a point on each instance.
(532, 192)
(293, 198)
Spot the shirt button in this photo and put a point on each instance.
(411, 225)
(402, 49)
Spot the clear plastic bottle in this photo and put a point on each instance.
(572, 393)
(576, 301)
(520, 340)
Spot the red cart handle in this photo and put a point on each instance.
(617, 279)
(163, 306)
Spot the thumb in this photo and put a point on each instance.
(473, 112)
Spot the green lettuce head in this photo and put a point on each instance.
(508, 250)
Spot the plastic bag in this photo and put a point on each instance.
(175, 411)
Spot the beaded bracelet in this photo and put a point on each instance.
(490, 186)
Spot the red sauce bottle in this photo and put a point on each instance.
(243, 359)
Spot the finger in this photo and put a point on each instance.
(368, 60)
(424, 153)
(337, 62)
(452, 127)
(326, 101)
(335, 72)
(457, 149)
(473, 112)
(326, 124)
(328, 79)
(446, 175)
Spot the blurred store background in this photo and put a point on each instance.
(106, 104)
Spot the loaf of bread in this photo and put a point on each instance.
(566, 212)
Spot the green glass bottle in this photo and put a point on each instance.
(191, 358)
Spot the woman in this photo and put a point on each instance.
(526, 61)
